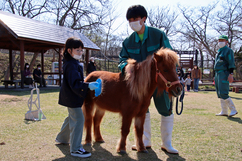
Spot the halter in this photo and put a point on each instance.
(168, 83)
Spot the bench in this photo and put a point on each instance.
(7, 82)
(236, 88)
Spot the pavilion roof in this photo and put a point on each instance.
(34, 31)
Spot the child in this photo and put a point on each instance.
(72, 94)
(188, 82)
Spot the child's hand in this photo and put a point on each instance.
(93, 85)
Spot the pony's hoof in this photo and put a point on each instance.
(122, 152)
(88, 144)
(101, 141)
(144, 151)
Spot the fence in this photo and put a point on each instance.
(111, 64)
(107, 65)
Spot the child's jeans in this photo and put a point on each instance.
(72, 129)
(188, 87)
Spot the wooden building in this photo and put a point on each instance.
(28, 35)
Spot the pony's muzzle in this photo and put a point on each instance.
(177, 91)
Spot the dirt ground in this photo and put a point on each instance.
(5, 96)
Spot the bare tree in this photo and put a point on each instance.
(26, 8)
(228, 21)
(196, 28)
(163, 18)
(80, 14)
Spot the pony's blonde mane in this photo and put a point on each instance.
(138, 75)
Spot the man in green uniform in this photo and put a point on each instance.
(142, 42)
(224, 66)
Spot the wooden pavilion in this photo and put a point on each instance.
(24, 34)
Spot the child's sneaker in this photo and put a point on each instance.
(81, 153)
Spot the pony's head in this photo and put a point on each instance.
(139, 77)
(166, 61)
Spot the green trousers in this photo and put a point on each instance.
(162, 103)
(222, 84)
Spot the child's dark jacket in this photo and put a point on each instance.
(73, 89)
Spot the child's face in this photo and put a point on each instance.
(77, 51)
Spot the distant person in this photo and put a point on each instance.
(38, 76)
(27, 76)
(196, 76)
(224, 66)
(91, 66)
(188, 82)
(180, 71)
(72, 94)
(188, 73)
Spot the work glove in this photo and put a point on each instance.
(93, 85)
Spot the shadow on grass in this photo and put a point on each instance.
(65, 149)
(27, 91)
(235, 119)
(174, 157)
(98, 153)
(30, 121)
(236, 98)
(151, 155)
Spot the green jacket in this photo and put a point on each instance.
(133, 48)
(224, 59)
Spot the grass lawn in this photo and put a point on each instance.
(198, 134)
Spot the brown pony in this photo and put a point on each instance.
(130, 94)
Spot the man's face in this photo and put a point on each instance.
(136, 24)
(222, 40)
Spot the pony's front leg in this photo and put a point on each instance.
(88, 113)
(139, 128)
(96, 123)
(126, 122)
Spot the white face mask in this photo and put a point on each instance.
(27, 66)
(136, 26)
(39, 68)
(77, 57)
(221, 44)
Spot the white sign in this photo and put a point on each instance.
(206, 71)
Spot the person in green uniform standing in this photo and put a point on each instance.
(224, 66)
(142, 42)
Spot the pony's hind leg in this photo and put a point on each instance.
(126, 122)
(96, 123)
(139, 127)
(88, 109)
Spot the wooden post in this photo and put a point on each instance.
(86, 60)
(22, 62)
(60, 66)
(11, 62)
(42, 63)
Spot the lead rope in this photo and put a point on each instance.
(180, 100)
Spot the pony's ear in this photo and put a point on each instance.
(157, 57)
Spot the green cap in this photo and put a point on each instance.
(223, 37)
